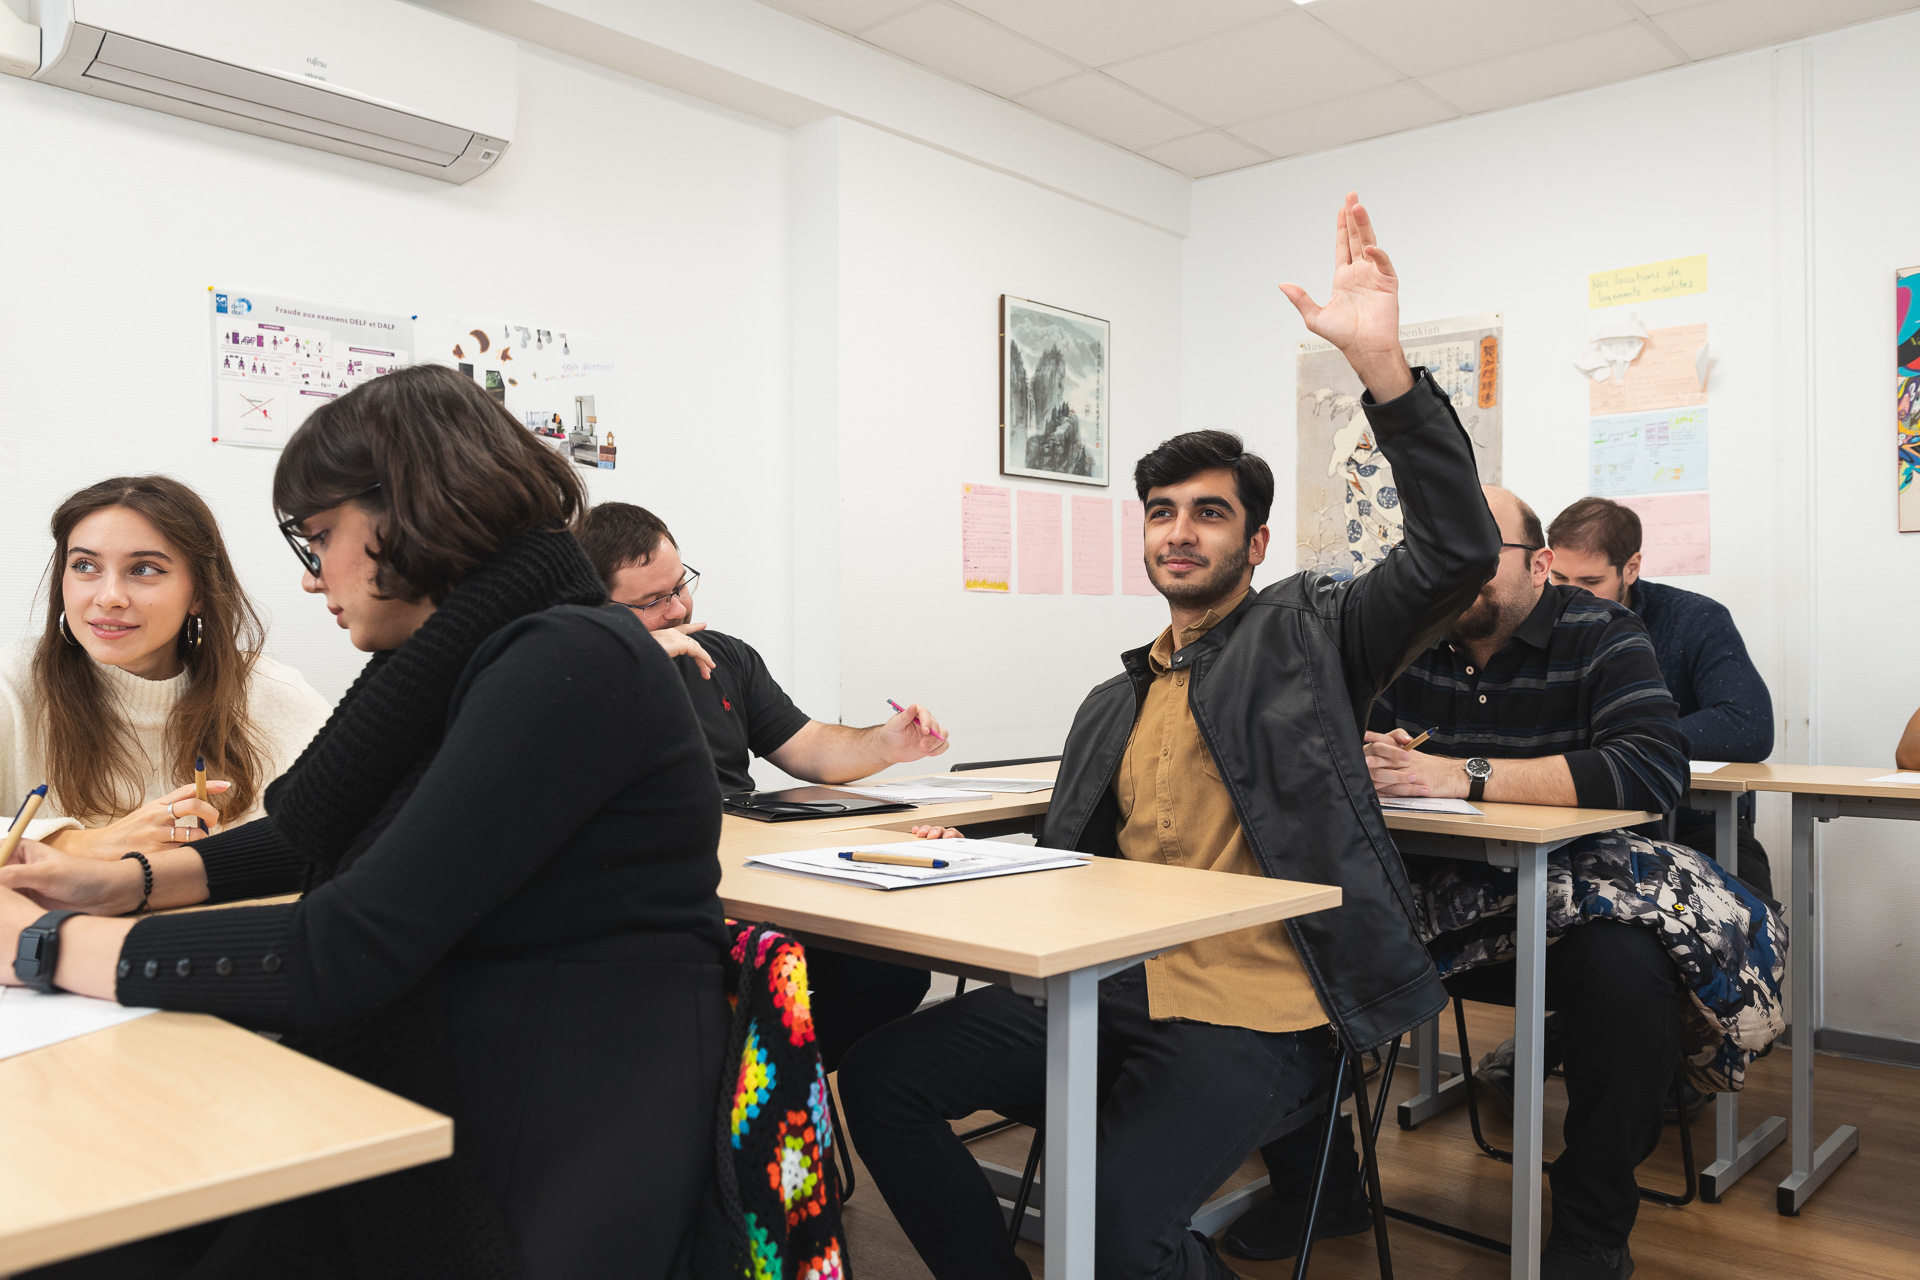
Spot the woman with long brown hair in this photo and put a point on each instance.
(535, 951)
(149, 659)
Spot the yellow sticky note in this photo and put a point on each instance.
(1648, 281)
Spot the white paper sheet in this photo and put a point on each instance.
(29, 1020)
(966, 859)
(1707, 766)
(1006, 786)
(1904, 778)
(1427, 804)
(914, 793)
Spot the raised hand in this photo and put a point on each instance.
(1362, 315)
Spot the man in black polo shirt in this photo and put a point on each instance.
(1542, 694)
(742, 709)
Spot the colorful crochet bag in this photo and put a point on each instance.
(776, 1133)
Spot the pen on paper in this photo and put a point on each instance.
(28, 807)
(897, 707)
(895, 859)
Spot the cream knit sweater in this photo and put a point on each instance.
(285, 709)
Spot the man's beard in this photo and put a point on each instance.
(1489, 616)
(1210, 589)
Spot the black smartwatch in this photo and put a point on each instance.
(1478, 770)
(39, 954)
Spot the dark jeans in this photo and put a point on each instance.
(1180, 1106)
(1620, 1005)
(1755, 868)
(852, 995)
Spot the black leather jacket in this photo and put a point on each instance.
(1280, 690)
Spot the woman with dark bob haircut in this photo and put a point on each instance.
(505, 842)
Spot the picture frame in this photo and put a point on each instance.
(1055, 393)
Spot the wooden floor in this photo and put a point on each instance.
(1864, 1224)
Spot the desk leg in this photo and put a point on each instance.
(1810, 1167)
(1073, 1046)
(1433, 1097)
(1530, 1001)
(1732, 1157)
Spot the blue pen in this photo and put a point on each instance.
(894, 859)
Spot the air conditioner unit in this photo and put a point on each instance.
(377, 79)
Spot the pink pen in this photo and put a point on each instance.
(897, 707)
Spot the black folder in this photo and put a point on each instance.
(796, 804)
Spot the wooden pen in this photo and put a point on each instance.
(1415, 744)
(28, 808)
(200, 786)
(894, 859)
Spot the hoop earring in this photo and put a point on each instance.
(66, 633)
(194, 634)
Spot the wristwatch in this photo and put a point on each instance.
(39, 954)
(1479, 770)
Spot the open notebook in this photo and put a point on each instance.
(965, 859)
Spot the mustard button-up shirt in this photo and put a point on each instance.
(1175, 809)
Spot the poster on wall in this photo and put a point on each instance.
(1906, 294)
(1659, 451)
(1347, 512)
(1054, 393)
(561, 384)
(277, 359)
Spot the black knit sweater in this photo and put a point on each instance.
(539, 785)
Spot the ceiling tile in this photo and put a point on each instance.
(1094, 104)
(1350, 119)
(1421, 38)
(1605, 57)
(1663, 6)
(1727, 26)
(1204, 154)
(1101, 31)
(1272, 66)
(969, 48)
(848, 15)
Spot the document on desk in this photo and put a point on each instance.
(1904, 777)
(916, 793)
(1427, 804)
(1006, 786)
(1706, 766)
(965, 859)
(29, 1020)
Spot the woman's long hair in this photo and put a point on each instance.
(93, 762)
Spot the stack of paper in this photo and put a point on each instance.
(1426, 804)
(1904, 778)
(1006, 786)
(29, 1020)
(965, 859)
(914, 793)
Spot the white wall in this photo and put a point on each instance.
(1510, 212)
(667, 233)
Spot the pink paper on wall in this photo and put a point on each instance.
(1092, 546)
(1133, 567)
(986, 538)
(1675, 534)
(1042, 556)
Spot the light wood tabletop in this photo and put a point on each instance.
(996, 808)
(1728, 777)
(1523, 823)
(180, 1118)
(1823, 779)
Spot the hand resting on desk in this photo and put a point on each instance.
(937, 833)
(148, 829)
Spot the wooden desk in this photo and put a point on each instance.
(176, 1119)
(1820, 793)
(1050, 935)
(1520, 836)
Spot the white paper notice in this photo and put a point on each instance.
(276, 360)
(29, 1020)
(1903, 778)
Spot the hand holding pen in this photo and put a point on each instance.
(913, 733)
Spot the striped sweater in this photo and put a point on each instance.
(1578, 679)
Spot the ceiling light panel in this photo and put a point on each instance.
(1260, 70)
(1421, 38)
(1094, 104)
(1101, 31)
(969, 48)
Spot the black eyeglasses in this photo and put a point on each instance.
(302, 546)
(688, 584)
(1520, 546)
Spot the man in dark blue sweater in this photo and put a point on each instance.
(1724, 705)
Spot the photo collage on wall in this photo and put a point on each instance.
(554, 381)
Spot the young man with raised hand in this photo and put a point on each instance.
(1232, 743)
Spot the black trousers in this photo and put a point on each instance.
(852, 995)
(1620, 1004)
(1181, 1105)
